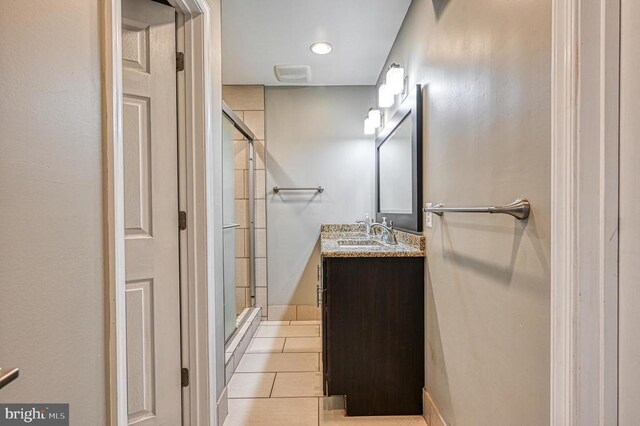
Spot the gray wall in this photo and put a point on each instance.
(51, 258)
(52, 318)
(315, 138)
(486, 65)
(629, 271)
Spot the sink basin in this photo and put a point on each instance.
(358, 243)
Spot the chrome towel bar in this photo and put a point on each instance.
(277, 189)
(8, 375)
(231, 226)
(519, 209)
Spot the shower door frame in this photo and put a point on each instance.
(250, 136)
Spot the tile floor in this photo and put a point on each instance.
(279, 382)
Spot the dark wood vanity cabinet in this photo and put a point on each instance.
(373, 333)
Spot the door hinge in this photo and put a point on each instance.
(184, 377)
(182, 220)
(179, 61)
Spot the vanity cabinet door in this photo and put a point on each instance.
(374, 334)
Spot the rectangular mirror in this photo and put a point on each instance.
(395, 172)
(399, 166)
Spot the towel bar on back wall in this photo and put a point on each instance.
(519, 209)
(277, 189)
(8, 375)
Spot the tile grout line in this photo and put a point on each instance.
(273, 385)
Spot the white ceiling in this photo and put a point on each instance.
(258, 34)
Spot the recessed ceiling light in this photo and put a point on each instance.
(321, 48)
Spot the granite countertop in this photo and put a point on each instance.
(409, 245)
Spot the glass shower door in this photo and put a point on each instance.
(228, 228)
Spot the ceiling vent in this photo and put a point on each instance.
(293, 73)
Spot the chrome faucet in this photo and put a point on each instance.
(388, 235)
(367, 223)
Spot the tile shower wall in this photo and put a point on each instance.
(248, 103)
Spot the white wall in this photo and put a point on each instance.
(51, 257)
(487, 134)
(315, 138)
(629, 270)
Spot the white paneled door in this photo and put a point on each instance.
(151, 213)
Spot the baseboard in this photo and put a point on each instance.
(430, 411)
(294, 313)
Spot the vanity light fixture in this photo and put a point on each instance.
(395, 79)
(369, 126)
(375, 116)
(372, 121)
(392, 85)
(321, 48)
(385, 96)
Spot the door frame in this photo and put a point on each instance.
(199, 110)
(584, 203)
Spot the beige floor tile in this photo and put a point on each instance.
(251, 385)
(273, 412)
(308, 322)
(275, 322)
(257, 363)
(297, 384)
(337, 417)
(303, 344)
(288, 331)
(261, 345)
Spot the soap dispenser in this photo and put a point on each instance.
(384, 236)
(367, 223)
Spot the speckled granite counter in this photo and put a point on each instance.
(409, 245)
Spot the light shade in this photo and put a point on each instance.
(375, 116)
(395, 79)
(321, 48)
(385, 96)
(369, 126)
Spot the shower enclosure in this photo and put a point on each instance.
(238, 218)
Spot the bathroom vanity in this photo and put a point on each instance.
(372, 298)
